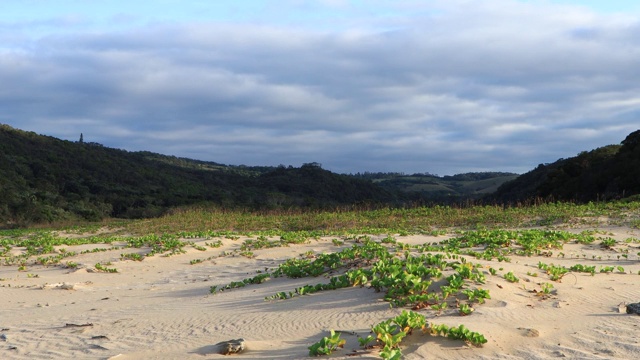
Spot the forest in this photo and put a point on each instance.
(606, 173)
(44, 179)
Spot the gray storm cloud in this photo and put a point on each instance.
(488, 86)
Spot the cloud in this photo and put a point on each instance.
(441, 86)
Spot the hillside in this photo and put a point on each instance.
(44, 179)
(441, 189)
(604, 173)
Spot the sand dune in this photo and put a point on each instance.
(161, 308)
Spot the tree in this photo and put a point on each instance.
(81, 139)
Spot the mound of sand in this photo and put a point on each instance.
(161, 308)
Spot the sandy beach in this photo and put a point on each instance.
(161, 307)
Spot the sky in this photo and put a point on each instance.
(414, 86)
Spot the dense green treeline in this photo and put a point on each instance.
(44, 179)
(609, 172)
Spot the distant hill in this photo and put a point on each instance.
(445, 189)
(44, 179)
(609, 172)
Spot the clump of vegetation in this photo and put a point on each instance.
(555, 272)
(132, 256)
(103, 268)
(327, 345)
(510, 277)
(439, 278)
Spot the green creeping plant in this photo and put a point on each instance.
(606, 269)
(214, 244)
(458, 333)
(101, 267)
(440, 307)
(465, 309)
(462, 333)
(583, 268)
(410, 320)
(478, 295)
(366, 342)
(132, 256)
(389, 334)
(555, 272)
(390, 354)
(510, 277)
(608, 243)
(546, 288)
(327, 345)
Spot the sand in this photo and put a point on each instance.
(161, 308)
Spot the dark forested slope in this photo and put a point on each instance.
(45, 179)
(605, 173)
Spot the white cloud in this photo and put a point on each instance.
(437, 86)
